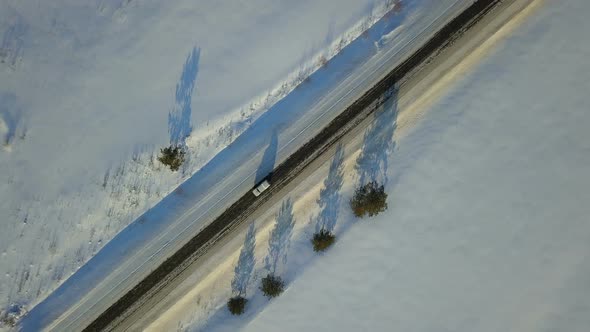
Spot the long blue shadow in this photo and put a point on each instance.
(245, 266)
(378, 144)
(11, 48)
(330, 196)
(154, 221)
(179, 118)
(10, 115)
(280, 237)
(267, 164)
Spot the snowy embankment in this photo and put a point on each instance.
(203, 294)
(87, 97)
(85, 86)
(232, 172)
(487, 227)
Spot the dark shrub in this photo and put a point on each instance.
(172, 156)
(11, 315)
(236, 305)
(272, 286)
(322, 240)
(369, 199)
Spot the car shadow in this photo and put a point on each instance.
(268, 161)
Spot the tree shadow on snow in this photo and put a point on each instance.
(280, 238)
(245, 266)
(160, 218)
(330, 196)
(378, 144)
(275, 261)
(179, 118)
(11, 119)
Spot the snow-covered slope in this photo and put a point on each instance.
(89, 91)
(287, 124)
(487, 227)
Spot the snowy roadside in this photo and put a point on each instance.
(488, 221)
(181, 203)
(58, 212)
(203, 297)
(88, 219)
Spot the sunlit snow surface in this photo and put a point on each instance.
(89, 91)
(488, 220)
(486, 228)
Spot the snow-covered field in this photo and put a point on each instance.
(90, 91)
(487, 227)
(198, 303)
(487, 223)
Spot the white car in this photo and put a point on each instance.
(261, 188)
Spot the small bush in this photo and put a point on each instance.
(323, 60)
(11, 315)
(172, 156)
(322, 240)
(236, 305)
(272, 286)
(369, 199)
(8, 321)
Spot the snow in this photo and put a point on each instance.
(487, 222)
(487, 227)
(86, 89)
(286, 125)
(89, 90)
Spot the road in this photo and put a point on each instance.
(348, 91)
(413, 89)
(355, 125)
